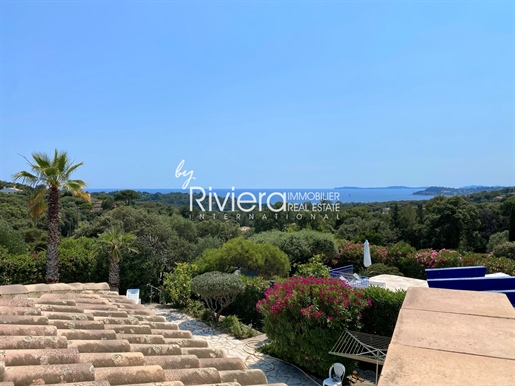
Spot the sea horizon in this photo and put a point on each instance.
(344, 195)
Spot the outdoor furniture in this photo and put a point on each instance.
(133, 294)
(336, 374)
(337, 272)
(353, 279)
(475, 283)
(455, 272)
(362, 347)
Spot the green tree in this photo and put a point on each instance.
(300, 246)
(50, 175)
(11, 240)
(127, 196)
(395, 216)
(218, 290)
(451, 223)
(114, 242)
(260, 259)
(511, 234)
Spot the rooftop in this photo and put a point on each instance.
(86, 335)
(450, 337)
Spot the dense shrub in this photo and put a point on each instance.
(260, 259)
(506, 249)
(381, 269)
(380, 318)
(21, 269)
(492, 264)
(76, 263)
(300, 246)
(350, 253)
(244, 307)
(398, 251)
(177, 285)
(304, 317)
(217, 290)
(236, 328)
(11, 240)
(414, 265)
(314, 268)
(496, 239)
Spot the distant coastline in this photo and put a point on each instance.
(385, 187)
(443, 191)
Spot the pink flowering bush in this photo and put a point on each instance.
(304, 317)
(351, 253)
(493, 264)
(414, 265)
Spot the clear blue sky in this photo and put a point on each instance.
(262, 94)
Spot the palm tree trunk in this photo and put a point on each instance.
(114, 274)
(52, 253)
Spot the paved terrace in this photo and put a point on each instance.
(450, 337)
(85, 335)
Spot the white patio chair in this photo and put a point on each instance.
(336, 374)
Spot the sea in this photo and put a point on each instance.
(344, 195)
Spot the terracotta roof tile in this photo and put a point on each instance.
(39, 357)
(89, 336)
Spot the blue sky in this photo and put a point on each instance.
(262, 94)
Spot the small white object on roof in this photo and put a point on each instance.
(133, 294)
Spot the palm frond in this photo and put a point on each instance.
(42, 160)
(26, 178)
(71, 169)
(37, 204)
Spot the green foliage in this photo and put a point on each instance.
(14, 210)
(177, 285)
(496, 239)
(511, 234)
(260, 259)
(275, 262)
(76, 264)
(381, 317)
(398, 251)
(217, 290)
(506, 249)
(222, 230)
(300, 246)
(451, 223)
(353, 254)
(206, 242)
(35, 239)
(492, 264)
(304, 317)
(314, 268)
(114, 243)
(381, 269)
(237, 329)
(11, 240)
(244, 307)
(21, 269)
(127, 196)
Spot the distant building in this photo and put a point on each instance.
(97, 206)
(386, 210)
(10, 190)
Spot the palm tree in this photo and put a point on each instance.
(114, 242)
(49, 176)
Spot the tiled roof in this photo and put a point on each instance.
(85, 335)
